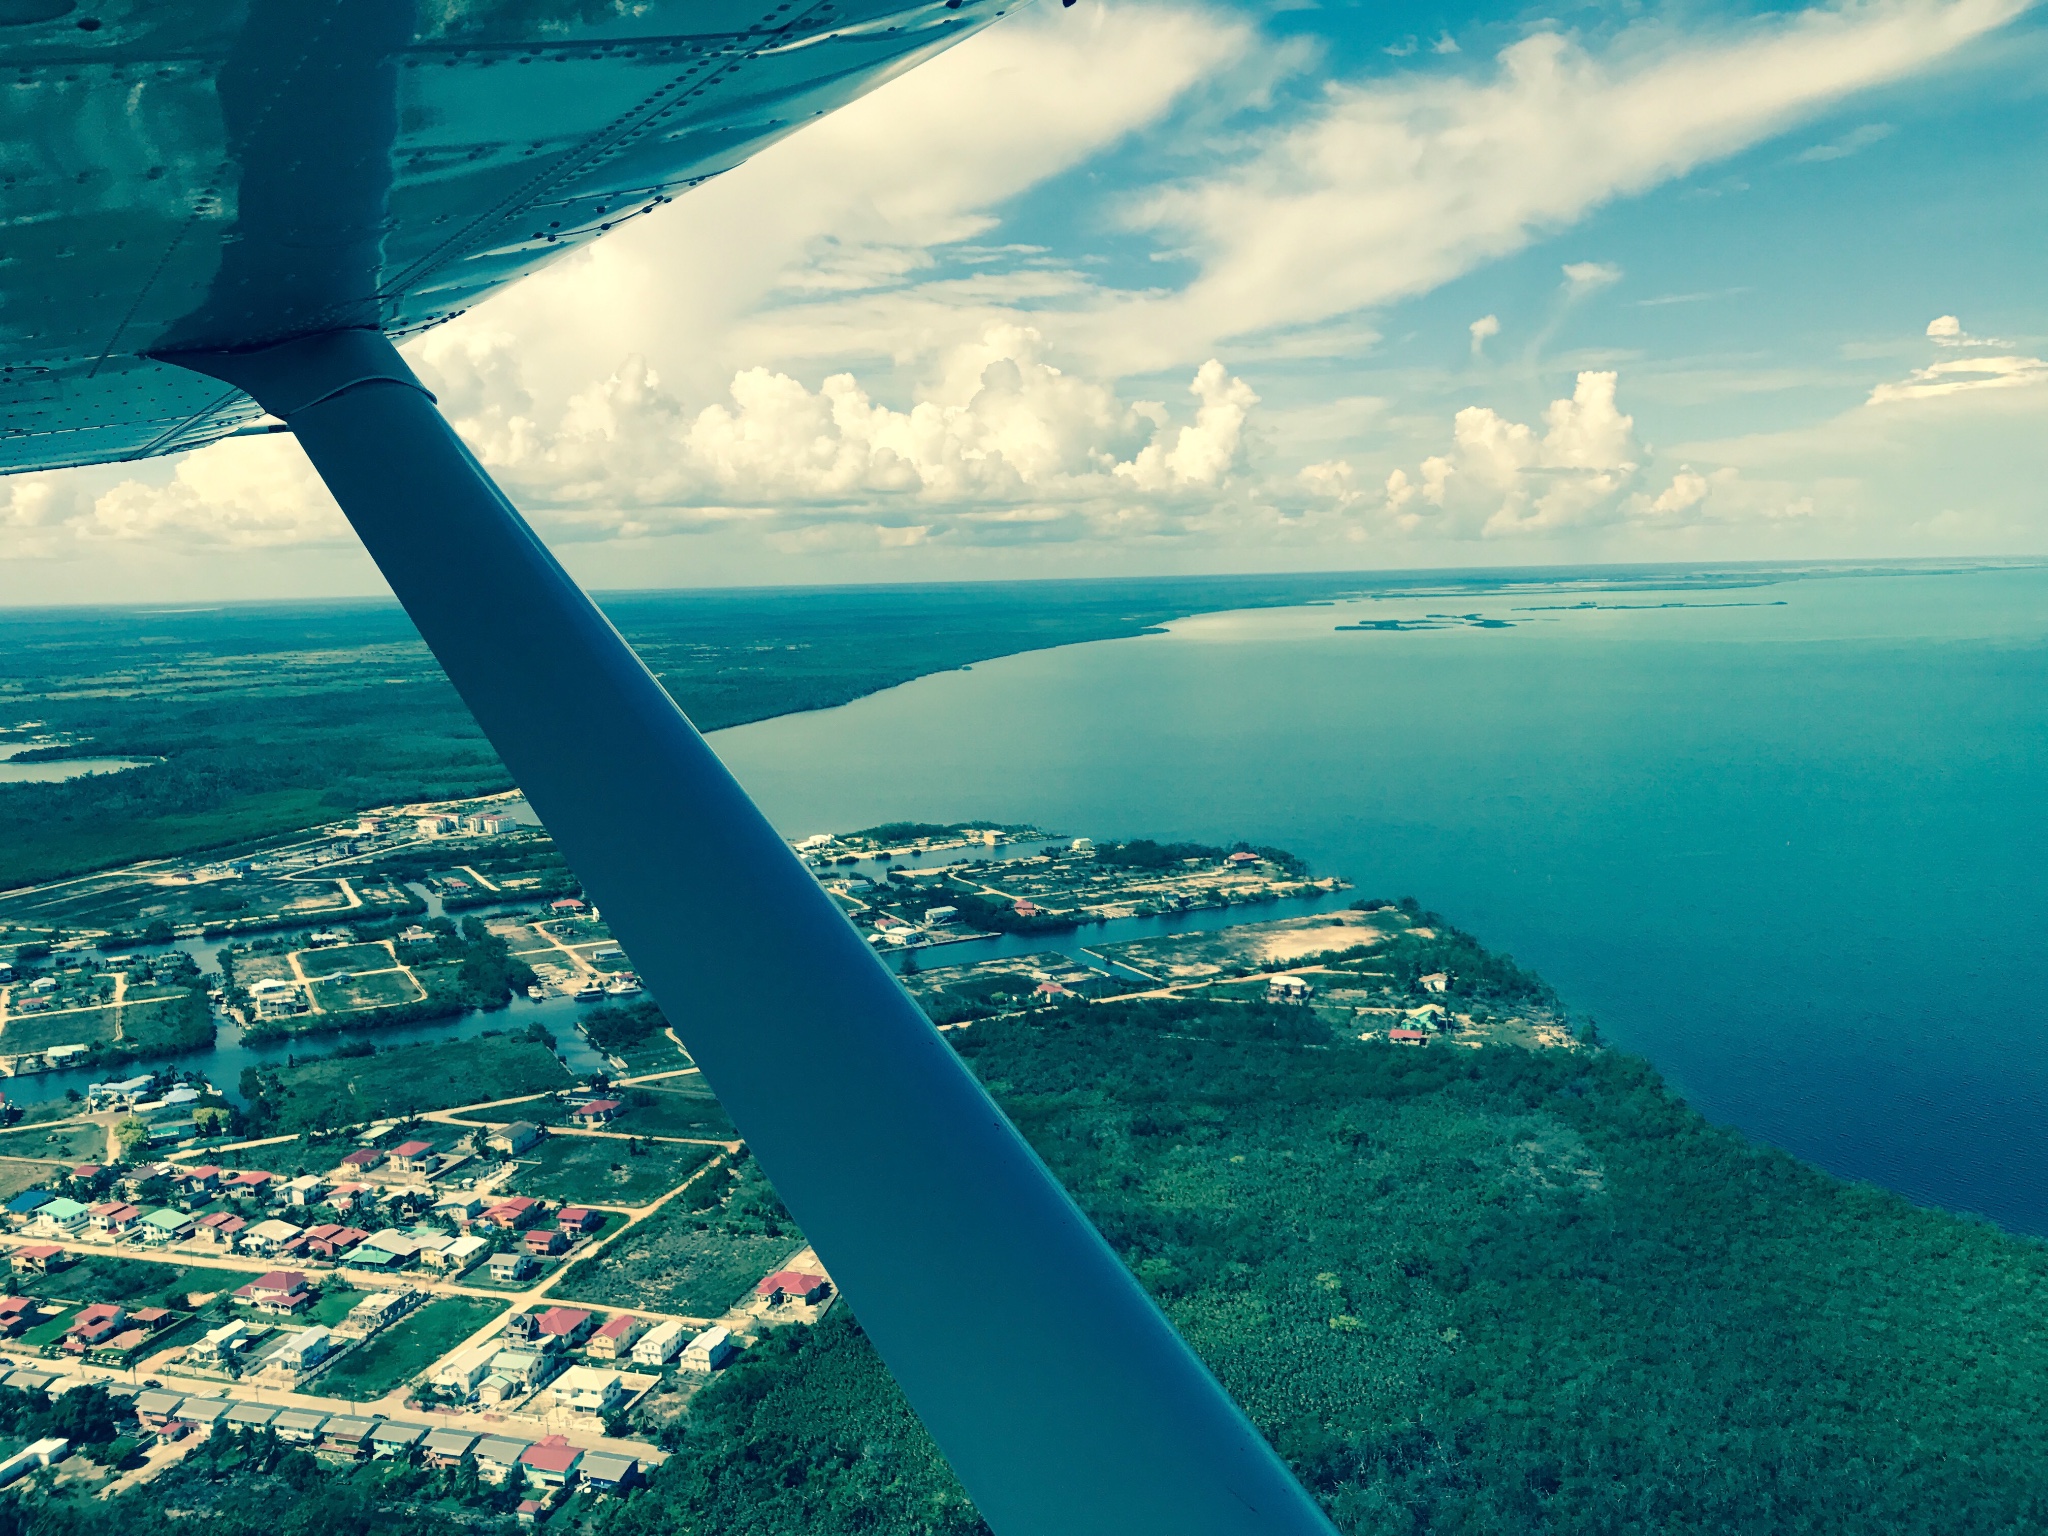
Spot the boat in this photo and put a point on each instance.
(537, 992)
(587, 991)
(625, 986)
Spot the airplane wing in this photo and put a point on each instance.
(221, 209)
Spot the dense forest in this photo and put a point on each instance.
(272, 717)
(1462, 1292)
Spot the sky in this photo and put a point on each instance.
(1145, 287)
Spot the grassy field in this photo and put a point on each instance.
(347, 957)
(595, 1170)
(181, 1021)
(659, 1110)
(136, 1282)
(66, 1144)
(384, 989)
(52, 1331)
(404, 1079)
(407, 1347)
(667, 1264)
(40, 1031)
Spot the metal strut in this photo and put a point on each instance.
(1056, 1389)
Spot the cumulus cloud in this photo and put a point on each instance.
(1395, 186)
(1002, 428)
(1947, 331)
(1483, 329)
(1581, 467)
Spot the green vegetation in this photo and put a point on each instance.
(598, 1170)
(346, 957)
(698, 1254)
(407, 1347)
(465, 967)
(271, 718)
(136, 1282)
(360, 1084)
(1463, 1291)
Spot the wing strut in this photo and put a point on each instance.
(1055, 1387)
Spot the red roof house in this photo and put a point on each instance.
(546, 1241)
(596, 1112)
(1407, 1037)
(569, 1324)
(409, 1156)
(792, 1285)
(16, 1313)
(513, 1213)
(362, 1159)
(101, 1320)
(282, 1290)
(551, 1463)
(579, 1219)
(37, 1258)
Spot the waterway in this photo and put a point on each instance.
(1786, 840)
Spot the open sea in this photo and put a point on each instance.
(1785, 835)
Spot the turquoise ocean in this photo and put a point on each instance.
(1783, 833)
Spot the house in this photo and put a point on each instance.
(461, 1209)
(227, 1341)
(508, 1267)
(568, 906)
(522, 1370)
(1240, 859)
(388, 1248)
(463, 1372)
(708, 1351)
(379, 1309)
(417, 935)
(346, 1197)
(552, 1463)
(157, 1412)
(510, 1215)
(98, 1322)
(605, 1473)
(552, 1240)
(496, 1457)
(447, 1447)
(1025, 907)
(266, 1237)
(1435, 981)
(515, 1138)
(303, 1350)
(38, 1259)
(114, 1217)
(21, 1210)
(1287, 989)
(413, 1157)
(17, 1315)
(615, 1340)
(306, 1189)
(42, 1453)
(298, 1426)
(329, 1240)
(219, 1227)
(60, 1218)
(246, 1416)
(659, 1346)
(579, 1219)
(596, 1112)
(791, 1285)
(569, 1324)
(1408, 1037)
(348, 1438)
(394, 1438)
(199, 1182)
(459, 1255)
(248, 1184)
(282, 1292)
(165, 1226)
(362, 1160)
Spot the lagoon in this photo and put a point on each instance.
(1780, 832)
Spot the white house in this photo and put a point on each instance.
(709, 1350)
(588, 1389)
(303, 1350)
(659, 1347)
(464, 1371)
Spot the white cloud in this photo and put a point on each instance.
(1398, 185)
(1483, 329)
(1963, 375)
(1947, 331)
(1584, 277)
(1000, 429)
(1848, 144)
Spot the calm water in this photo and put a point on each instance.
(1788, 843)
